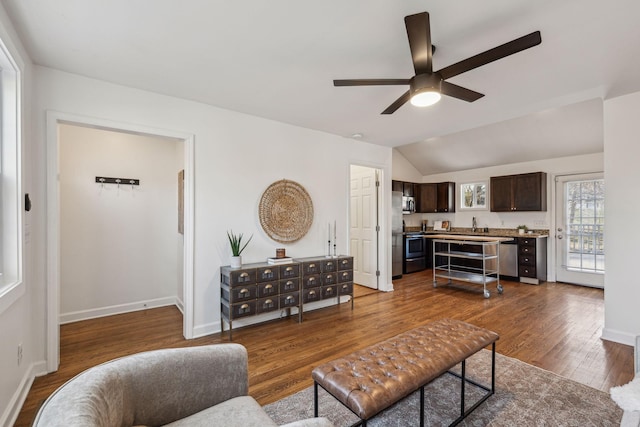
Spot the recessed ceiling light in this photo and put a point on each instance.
(356, 135)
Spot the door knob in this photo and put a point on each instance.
(559, 229)
(560, 236)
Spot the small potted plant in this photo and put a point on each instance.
(235, 240)
(522, 229)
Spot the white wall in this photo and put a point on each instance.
(622, 172)
(117, 243)
(236, 158)
(21, 322)
(403, 170)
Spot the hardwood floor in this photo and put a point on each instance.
(556, 327)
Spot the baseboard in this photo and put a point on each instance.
(214, 327)
(12, 411)
(76, 316)
(619, 337)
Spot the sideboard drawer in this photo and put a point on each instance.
(266, 305)
(242, 277)
(240, 309)
(267, 289)
(289, 300)
(329, 278)
(239, 293)
(291, 285)
(311, 281)
(312, 267)
(267, 274)
(345, 263)
(345, 276)
(289, 271)
(329, 291)
(345, 288)
(329, 266)
(311, 295)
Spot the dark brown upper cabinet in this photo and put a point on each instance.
(437, 197)
(519, 193)
(409, 189)
(428, 200)
(397, 186)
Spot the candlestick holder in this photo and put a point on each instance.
(329, 248)
(335, 255)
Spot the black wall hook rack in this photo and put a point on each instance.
(123, 181)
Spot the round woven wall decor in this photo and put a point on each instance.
(285, 211)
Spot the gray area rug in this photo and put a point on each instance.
(525, 396)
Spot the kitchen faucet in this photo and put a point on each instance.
(474, 225)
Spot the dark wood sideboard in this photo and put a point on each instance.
(260, 288)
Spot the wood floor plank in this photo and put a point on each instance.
(554, 326)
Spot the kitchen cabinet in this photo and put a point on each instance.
(437, 197)
(532, 259)
(397, 186)
(428, 198)
(408, 189)
(446, 197)
(523, 192)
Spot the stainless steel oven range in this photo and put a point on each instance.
(415, 253)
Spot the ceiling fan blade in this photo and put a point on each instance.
(419, 34)
(370, 82)
(397, 103)
(499, 52)
(460, 92)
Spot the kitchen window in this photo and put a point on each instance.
(11, 286)
(473, 195)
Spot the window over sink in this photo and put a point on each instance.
(473, 195)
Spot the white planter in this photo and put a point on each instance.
(236, 261)
(520, 230)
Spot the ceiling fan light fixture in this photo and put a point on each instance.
(425, 98)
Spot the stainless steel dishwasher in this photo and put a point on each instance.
(509, 258)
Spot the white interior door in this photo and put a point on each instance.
(580, 253)
(363, 225)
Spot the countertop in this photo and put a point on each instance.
(467, 238)
(493, 232)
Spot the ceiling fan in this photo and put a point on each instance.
(426, 86)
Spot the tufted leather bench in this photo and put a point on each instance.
(370, 380)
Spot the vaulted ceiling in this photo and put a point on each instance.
(277, 60)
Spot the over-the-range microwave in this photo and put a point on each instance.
(408, 205)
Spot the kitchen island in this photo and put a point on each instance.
(449, 250)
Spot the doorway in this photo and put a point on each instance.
(364, 228)
(54, 120)
(580, 251)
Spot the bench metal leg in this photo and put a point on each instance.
(315, 399)
(422, 406)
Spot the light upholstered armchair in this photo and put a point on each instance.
(196, 386)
